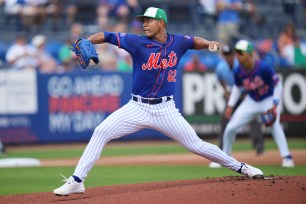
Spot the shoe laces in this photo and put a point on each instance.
(65, 179)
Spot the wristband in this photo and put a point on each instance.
(275, 101)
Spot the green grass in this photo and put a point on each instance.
(113, 150)
(270, 144)
(108, 151)
(45, 179)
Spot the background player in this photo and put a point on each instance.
(2, 148)
(155, 59)
(264, 92)
(225, 74)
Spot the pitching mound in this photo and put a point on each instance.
(234, 189)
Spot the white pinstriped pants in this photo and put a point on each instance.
(163, 117)
(247, 111)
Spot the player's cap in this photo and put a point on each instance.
(227, 50)
(244, 46)
(153, 12)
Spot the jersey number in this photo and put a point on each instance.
(171, 76)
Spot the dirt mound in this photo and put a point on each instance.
(233, 189)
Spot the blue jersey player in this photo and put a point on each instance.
(264, 92)
(156, 56)
(225, 75)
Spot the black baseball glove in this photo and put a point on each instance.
(85, 51)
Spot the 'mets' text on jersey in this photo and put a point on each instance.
(154, 63)
(258, 82)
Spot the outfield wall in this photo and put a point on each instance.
(48, 108)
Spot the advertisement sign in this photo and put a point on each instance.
(18, 106)
(44, 108)
(73, 104)
(18, 92)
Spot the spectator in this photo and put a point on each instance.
(30, 15)
(195, 64)
(136, 27)
(34, 14)
(228, 19)
(125, 64)
(70, 9)
(286, 37)
(76, 31)
(228, 23)
(54, 9)
(20, 55)
(250, 17)
(108, 57)
(113, 59)
(119, 10)
(13, 10)
(266, 52)
(124, 60)
(304, 8)
(290, 9)
(66, 7)
(46, 63)
(209, 9)
(102, 16)
(295, 54)
(67, 57)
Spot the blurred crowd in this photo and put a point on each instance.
(31, 15)
(58, 58)
(286, 51)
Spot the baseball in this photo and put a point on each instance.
(213, 47)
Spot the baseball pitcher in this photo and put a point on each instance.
(156, 56)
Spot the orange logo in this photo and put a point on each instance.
(165, 63)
